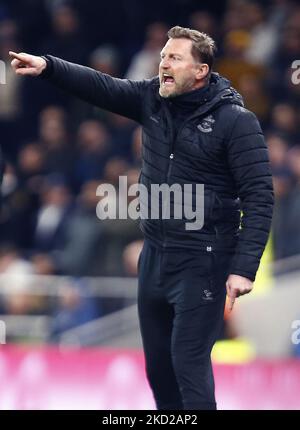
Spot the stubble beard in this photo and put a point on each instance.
(176, 91)
(167, 93)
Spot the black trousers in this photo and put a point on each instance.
(181, 299)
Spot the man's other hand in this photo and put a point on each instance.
(236, 286)
(26, 64)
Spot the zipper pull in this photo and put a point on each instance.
(171, 156)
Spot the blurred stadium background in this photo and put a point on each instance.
(68, 281)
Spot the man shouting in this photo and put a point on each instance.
(195, 131)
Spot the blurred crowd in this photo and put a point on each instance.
(58, 149)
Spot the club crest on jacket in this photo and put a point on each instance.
(206, 124)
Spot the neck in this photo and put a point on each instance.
(201, 84)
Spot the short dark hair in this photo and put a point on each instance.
(203, 46)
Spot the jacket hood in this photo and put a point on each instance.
(220, 91)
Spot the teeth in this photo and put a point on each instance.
(165, 77)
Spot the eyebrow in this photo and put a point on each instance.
(171, 53)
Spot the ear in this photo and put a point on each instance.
(202, 71)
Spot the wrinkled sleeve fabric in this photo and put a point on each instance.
(121, 96)
(249, 164)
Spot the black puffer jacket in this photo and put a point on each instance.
(220, 145)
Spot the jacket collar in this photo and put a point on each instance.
(218, 92)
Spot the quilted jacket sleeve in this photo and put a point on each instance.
(121, 96)
(249, 163)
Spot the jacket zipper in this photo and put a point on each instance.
(171, 158)
(173, 140)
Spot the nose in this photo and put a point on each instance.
(164, 63)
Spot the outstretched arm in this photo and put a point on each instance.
(121, 96)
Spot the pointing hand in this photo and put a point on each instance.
(26, 64)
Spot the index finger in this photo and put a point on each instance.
(17, 56)
(232, 300)
(232, 297)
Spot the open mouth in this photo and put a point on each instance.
(167, 79)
